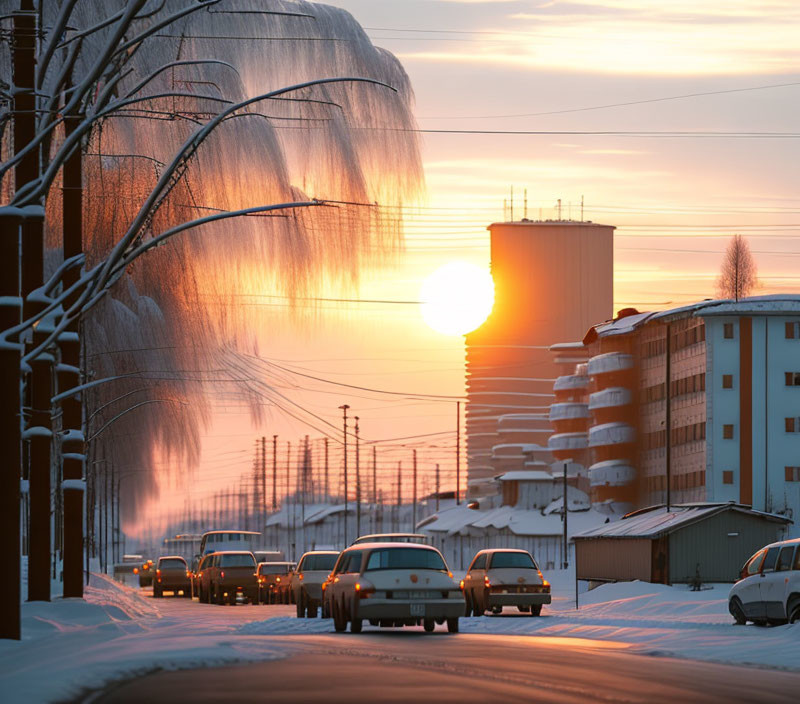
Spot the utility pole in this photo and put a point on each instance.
(327, 476)
(358, 482)
(458, 453)
(375, 489)
(344, 408)
(263, 511)
(414, 497)
(565, 564)
(437, 488)
(399, 492)
(289, 519)
(274, 472)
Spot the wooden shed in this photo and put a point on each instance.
(709, 541)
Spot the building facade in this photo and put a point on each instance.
(700, 403)
(552, 280)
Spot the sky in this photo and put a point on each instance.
(565, 69)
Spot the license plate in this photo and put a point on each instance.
(417, 609)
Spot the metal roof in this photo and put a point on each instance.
(656, 521)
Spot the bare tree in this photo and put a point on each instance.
(738, 276)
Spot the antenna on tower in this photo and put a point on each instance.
(581, 208)
(559, 208)
(526, 204)
(512, 203)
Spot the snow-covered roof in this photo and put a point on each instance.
(657, 521)
(531, 475)
(766, 305)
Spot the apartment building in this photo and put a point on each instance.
(699, 403)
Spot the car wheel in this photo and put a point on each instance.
(339, 622)
(311, 611)
(452, 625)
(735, 607)
(356, 624)
(476, 608)
(536, 610)
(524, 609)
(301, 610)
(429, 624)
(497, 610)
(220, 597)
(794, 613)
(157, 593)
(467, 605)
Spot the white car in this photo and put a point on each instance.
(392, 584)
(768, 590)
(306, 580)
(498, 578)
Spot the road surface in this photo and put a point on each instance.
(411, 666)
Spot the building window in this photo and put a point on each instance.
(793, 474)
(727, 476)
(792, 425)
(728, 331)
(793, 331)
(727, 432)
(792, 378)
(727, 381)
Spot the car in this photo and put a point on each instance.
(392, 538)
(768, 588)
(226, 575)
(172, 575)
(498, 578)
(145, 573)
(392, 584)
(272, 579)
(306, 580)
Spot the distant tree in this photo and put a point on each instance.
(738, 276)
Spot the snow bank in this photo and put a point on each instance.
(287, 625)
(71, 646)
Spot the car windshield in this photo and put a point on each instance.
(322, 563)
(519, 560)
(237, 560)
(405, 559)
(172, 564)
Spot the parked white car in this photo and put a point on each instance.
(768, 590)
(307, 578)
(498, 578)
(392, 584)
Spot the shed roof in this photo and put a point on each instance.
(656, 521)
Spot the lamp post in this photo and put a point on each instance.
(344, 408)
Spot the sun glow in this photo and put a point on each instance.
(457, 298)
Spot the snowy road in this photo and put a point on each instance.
(410, 666)
(628, 642)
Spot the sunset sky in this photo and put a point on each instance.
(554, 67)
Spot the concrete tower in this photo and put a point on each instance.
(553, 281)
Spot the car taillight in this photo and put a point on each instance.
(486, 580)
(136, 570)
(461, 584)
(450, 574)
(158, 573)
(300, 577)
(188, 574)
(363, 591)
(222, 575)
(277, 579)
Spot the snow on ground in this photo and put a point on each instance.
(74, 645)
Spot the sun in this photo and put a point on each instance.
(457, 298)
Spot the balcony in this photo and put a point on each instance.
(568, 411)
(570, 382)
(609, 363)
(611, 473)
(610, 398)
(567, 441)
(611, 434)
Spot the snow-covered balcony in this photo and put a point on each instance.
(611, 434)
(571, 382)
(609, 363)
(567, 441)
(568, 411)
(610, 398)
(611, 473)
